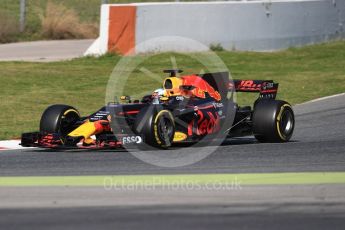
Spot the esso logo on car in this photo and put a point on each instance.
(132, 140)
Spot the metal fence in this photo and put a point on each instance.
(24, 16)
(25, 11)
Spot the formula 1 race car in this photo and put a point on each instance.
(188, 109)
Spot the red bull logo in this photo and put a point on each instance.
(207, 123)
(201, 87)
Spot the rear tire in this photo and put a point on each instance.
(273, 121)
(59, 119)
(156, 125)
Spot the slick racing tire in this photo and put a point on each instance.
(59, 119)
(273, 121)
(156, 125)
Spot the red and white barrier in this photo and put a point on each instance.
(260, 25)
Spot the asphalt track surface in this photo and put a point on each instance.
(318, 145)
(44, 51)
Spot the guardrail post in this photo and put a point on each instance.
(22, 15)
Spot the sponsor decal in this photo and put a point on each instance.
(179, 98)
(208, 123)
(179, 136)
(132, 140)
(249, 85)
(100, 115)
(267, 85)
(218, 105)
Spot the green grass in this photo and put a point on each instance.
(28, 88)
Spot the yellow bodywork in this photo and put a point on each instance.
(175, 86)
(86, 130)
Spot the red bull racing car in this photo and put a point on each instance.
(188, 109)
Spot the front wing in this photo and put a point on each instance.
(56, 141)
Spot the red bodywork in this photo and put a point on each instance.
(200, 87)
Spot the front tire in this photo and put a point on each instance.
(156, 125)
(273, 121)
(59, 119)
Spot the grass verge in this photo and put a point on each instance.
(235, 181)
(60, 22)
(28, 88)
(8, 26)
(87, 12)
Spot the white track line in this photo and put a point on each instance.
(323, 98)
(10, 145)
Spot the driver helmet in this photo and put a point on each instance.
(157, 94)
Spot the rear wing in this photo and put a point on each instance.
(266, 88)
